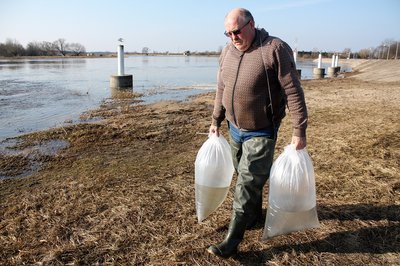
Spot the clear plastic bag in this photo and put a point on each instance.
(213, 175)
(292, 196)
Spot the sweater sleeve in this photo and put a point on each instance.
(290, 83)
(219, 111)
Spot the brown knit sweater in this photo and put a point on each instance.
(242, 93)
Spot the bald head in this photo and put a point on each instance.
(241, 14)
(239, 26)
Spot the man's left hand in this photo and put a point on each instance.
(299, 142)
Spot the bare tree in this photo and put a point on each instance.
(11, 48)
(76, 48)
(315, 52)
(346, 52)
(40, 49)
(145, 50)
(61, 46)
(49, 48)
(34, 49)
(364, 53)
(389, 47)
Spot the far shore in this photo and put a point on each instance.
(325, 60)
(97, 55)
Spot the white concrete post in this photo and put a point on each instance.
(337, 60)
(121, 81)
(121, 70)
(295, 57)
(333, 60)
(319, 60)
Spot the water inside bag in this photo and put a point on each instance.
(208, 199)
(279, 222)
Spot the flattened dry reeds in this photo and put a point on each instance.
(122, 192)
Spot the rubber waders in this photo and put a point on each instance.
(229, 246)
(253, 163)
(252, 160)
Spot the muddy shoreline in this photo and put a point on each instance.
(122, 191)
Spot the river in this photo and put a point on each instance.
(37, 94)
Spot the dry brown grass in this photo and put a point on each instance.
(122, 193)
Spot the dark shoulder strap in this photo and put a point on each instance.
(262, 47)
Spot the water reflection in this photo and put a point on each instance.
(42, 63)
(145, 60)
(59, 64)
(11, 67)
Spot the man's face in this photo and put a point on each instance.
(241, 32)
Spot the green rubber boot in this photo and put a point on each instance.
(229, 246)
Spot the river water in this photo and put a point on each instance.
(37, 94)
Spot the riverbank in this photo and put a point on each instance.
(103, 55)
(122, 190)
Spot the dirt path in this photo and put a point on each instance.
(122, 192)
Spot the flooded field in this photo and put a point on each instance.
(38, 94)
(43, 93)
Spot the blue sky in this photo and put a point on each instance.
(175, 26)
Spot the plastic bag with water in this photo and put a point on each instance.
(213, 175)
(292, 196)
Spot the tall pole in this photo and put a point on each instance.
(319, 60)
(387, 58)
(397, 48)
(121, 70)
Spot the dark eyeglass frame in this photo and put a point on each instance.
(236, 32)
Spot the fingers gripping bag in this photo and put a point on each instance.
(292, 196)
(213, 175)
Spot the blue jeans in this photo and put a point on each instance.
(240, 136)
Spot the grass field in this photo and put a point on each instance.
(122, 192)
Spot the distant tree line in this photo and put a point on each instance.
(388, 49)
(59, 47)
(147, 51)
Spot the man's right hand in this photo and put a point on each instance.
(214, 130)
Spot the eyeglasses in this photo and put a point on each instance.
(236, 32)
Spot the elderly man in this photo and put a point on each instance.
(257, 79)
